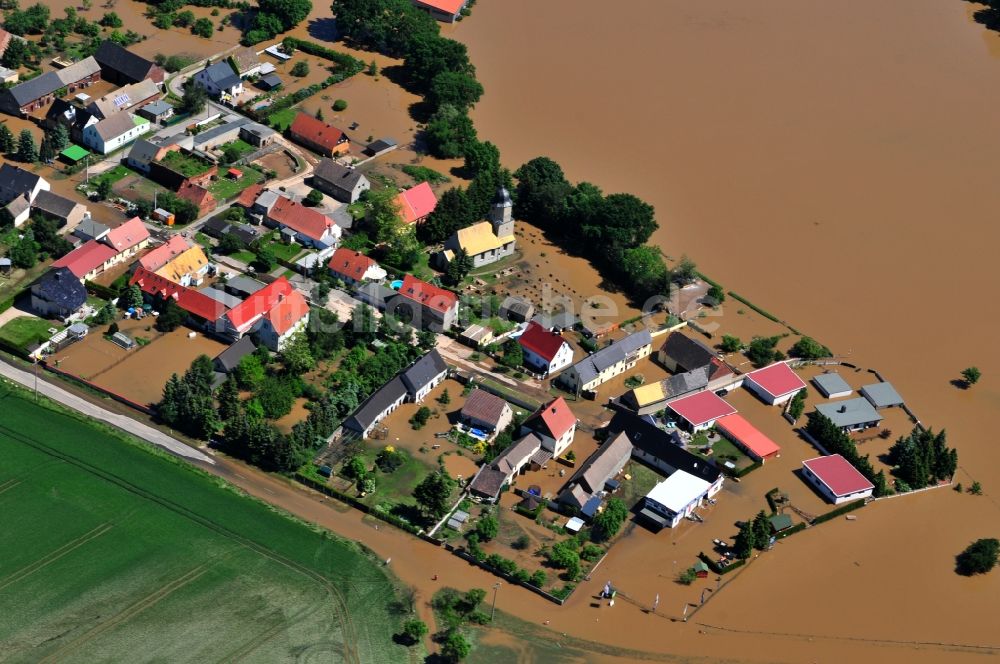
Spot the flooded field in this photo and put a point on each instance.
(138, 374)
(778, 158)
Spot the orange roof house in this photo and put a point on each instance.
(198, 195)
(199, 305)
(275, 312)
(318, 136)
(416, 203)
(163, 254)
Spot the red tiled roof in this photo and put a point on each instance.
(249, 195)
(316, 131)
(429, 295)
(543, 343)
(126, 236)
(5, 38)
(445, 6)
(300, 218)
(719, 369)
(235, 172)
(163, 254)
(701, 408)
(245, 314)
(838, 474)
(737, 427)
(85, 259)
(483, 406)
(777, 380)
(195, 303)
(554, 419)
(416, 202)
(351, 264)
(196, 194)
(287, 312)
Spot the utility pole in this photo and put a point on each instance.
(87, 168)
(493, 613)
(36, 378)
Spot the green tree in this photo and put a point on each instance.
(27, 151)
(300, 69)
(643, 267)
(978, 558)
(59, 137)
(445, 398)
(112, 20)
(203, 28)
(382, 215)
(288, 45)
(24, 254)
(297, 355)
(448, 132)
(103, 188)
(229, 243)
(420, 418)
(454, 210)
(797, 405)
(228, 396)
(763, 351)
(542, 190)
(187, 402)
(133, 297)
(458, 268)
(194, 98)
(314, 197)
(105, 314)
(339, 105)
(745, 541)
(809, 349)
(730, 344)
(7, 143)
(276, 395)
(609, 522)
(290, 12)
(976, 489)
(761, 530)
(487, 528)
(50, 241)
(15, 55)
(264, 258)
(433, 494)
(455, 647)
(414, 631)
(971, 375)
(513, 354)
(456, 89)
(171, 317)
(686, 271)
(539, 578)
(716, 295)
(393, 27)
(372, 68)
(45, 152)
(184, 19)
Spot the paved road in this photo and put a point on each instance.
(127, 424)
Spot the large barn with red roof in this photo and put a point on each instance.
(544, 351)
(837, 479)
(117, 245)
(353, 267)
(430, 307)
(700, 410)
(774, 384)
(203, 309)
(318, 136)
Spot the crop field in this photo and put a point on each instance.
(113, 553)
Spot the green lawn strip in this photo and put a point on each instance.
(112, 175)
(282, 120)
(27, 330)
(226, 188)
(244, 256)
(123, 525)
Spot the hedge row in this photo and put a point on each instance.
(765, 314)
(710, 282)
(746, 471)
(791, 531)
(769, 496)
(843, 509)
(101, 291)
(712, 565)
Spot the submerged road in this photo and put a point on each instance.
(126, 424)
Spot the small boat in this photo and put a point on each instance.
(851, 517)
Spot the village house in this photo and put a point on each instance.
(596, 473)
(554, 424)
(681, 353)
(426, 305)
(375, 294)
(146, 151)
(157, 111)
(344, 183)
(492, 477)
(602, 365)
(447, 11)
(19, 187)
(274, 313)
(353, 267)
(113, 132)
(832, 385)
(544, 351)
(311, 228)
(235, 127)
(516, 309)
(88, 230)
(848, 415)
(699, 411)
(673, 499)
(36, 93)
(316, 135)
(220, 80)
(159, 256)
(836, 479)
(65, 212)
(121, 66)
(484, 242)
(882, 395)
(129, 97)
(755, 443)
(424, 375)
(227, 361)
(202, 310)
(187, 268)
(774, 384)
(58, 294)
(653, 397)
(416, 203)
(245, 62)
(486, 412)
(200, 196)
(116, 246)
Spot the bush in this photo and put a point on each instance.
(340, 105)
(521, 543)
(538, 579)
(687, 577)
(978, 558)
(420, 418)
(300, 69)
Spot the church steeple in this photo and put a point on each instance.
(502, 213)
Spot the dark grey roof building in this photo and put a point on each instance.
(659, 449)
(376, 407)
(516, 309)
(622, 352)
(375, 295)
(421, 376)
(242, 286)
(16, 181)
(230, 358)
(683, 353)
(342, 182)
(58, 293)
(122, 66)
(603, 465)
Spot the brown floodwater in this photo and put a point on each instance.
(833, 163)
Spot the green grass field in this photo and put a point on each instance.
(26, 330)
(115, 553)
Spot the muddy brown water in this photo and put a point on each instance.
(833, 163)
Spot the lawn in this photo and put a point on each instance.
(241, 145)
(142, 557)
(26, 330)
(285, 252)
(244, 256)
(185, 164)
(226, 188)
(282, 119)
(112, 175)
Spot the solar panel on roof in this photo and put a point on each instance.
(122, 100)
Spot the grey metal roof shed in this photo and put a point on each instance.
(831, 384)
(882, 395)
